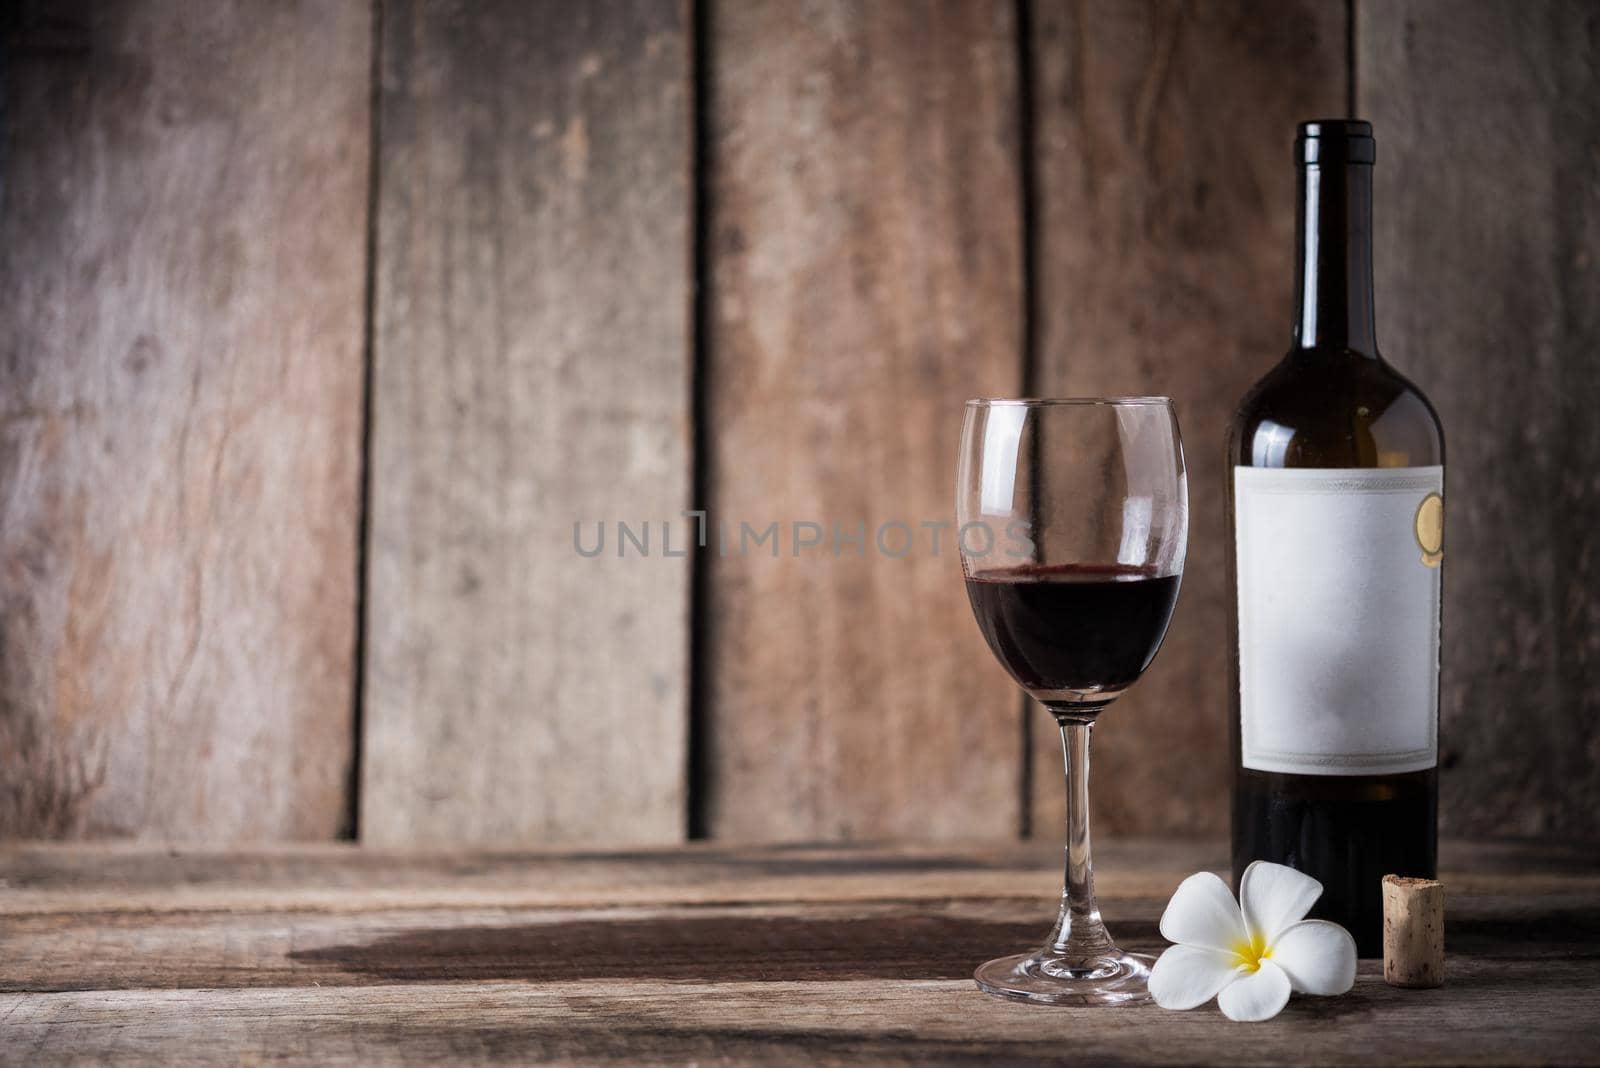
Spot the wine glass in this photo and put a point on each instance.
(1072, 524)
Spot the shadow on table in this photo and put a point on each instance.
(912, 945)
(708, 948)
(1571, 933)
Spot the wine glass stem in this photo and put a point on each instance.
(1079, 935)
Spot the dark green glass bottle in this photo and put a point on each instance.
(1335, 513)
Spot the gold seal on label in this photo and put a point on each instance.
(1429, 528)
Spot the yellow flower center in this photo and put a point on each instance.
(1253, 952)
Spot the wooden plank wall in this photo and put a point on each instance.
(866, 278)
(632, 257)
(1488, 278)
(1164, 188)
(182, 235)
(531, 370)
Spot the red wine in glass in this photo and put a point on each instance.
(1073, 634)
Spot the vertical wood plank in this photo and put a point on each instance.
(1162, 148)
(532, 371)
(181, 293)
(1488, 263)
(866, 273)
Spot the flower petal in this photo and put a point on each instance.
(1203, 913)
(1260, 995)
(1273, 897)
(1187, 976)
(1319, 957)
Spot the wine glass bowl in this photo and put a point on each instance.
(1073, 524)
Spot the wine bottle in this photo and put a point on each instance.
(1336, 515)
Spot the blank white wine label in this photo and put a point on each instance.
(1338, 586)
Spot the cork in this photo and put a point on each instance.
(1413, 932)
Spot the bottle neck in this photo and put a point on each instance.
(1333, 270)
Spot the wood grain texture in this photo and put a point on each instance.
(130, 882)
(850, 1022)
(866, 280)
(532, 371)
(181, 293)
(344, 878)
(1165, 229)
(133, 882)
(1487, 249)
(820, 978)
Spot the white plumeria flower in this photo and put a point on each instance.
(1249, 955)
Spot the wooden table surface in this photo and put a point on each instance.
(715, 955)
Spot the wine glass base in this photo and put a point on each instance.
(1111, 978)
